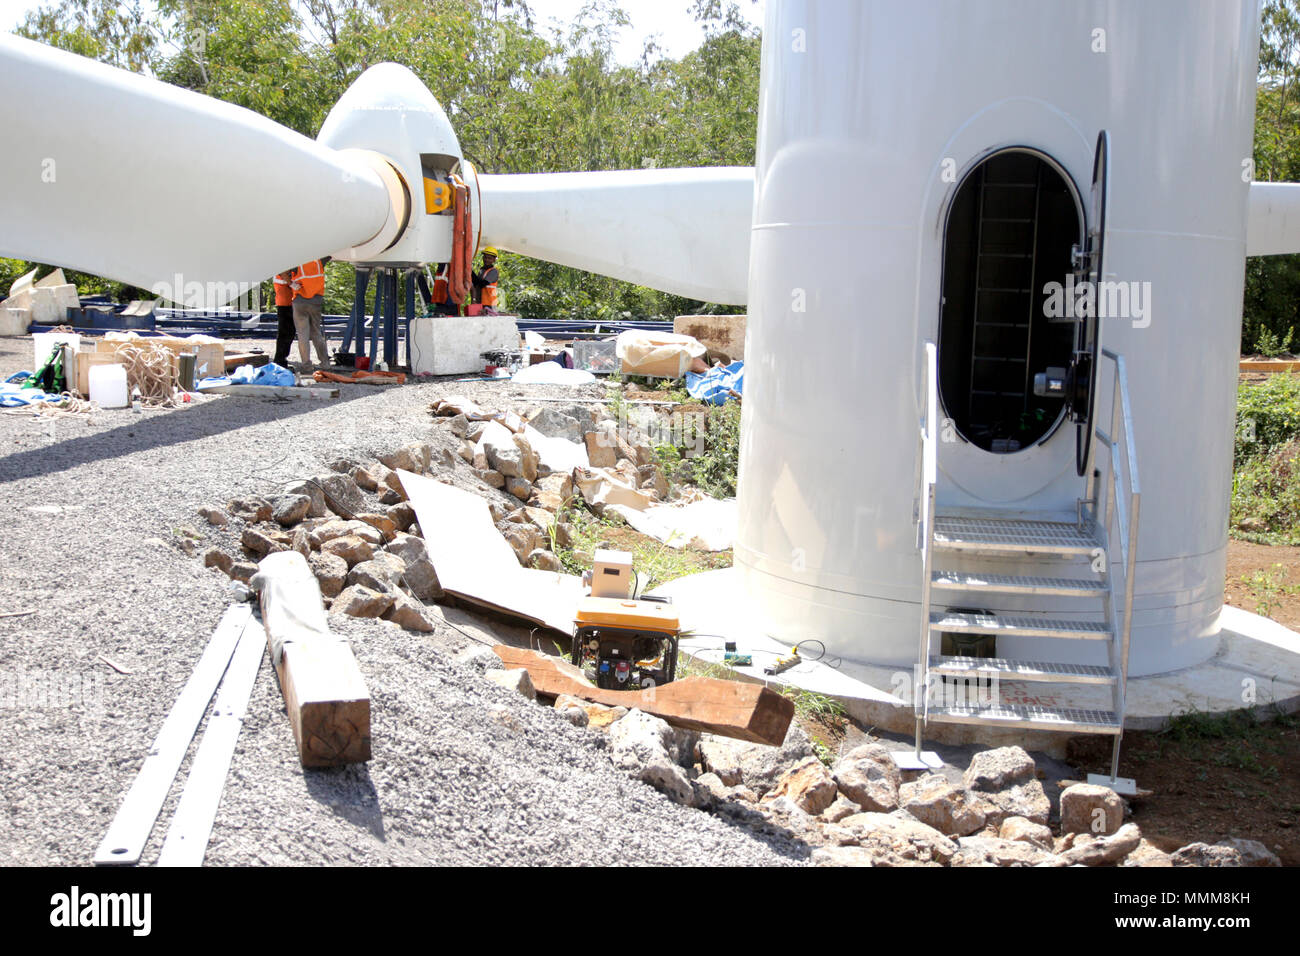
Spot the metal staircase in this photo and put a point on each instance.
(976, 558)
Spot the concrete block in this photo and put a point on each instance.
(718, 333)
(23, 283)
(53, 279)
(454, 345)
(14, 321)
(50, 304)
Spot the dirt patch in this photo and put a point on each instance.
(1265, 579)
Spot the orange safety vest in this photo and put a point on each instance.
(283, 293)
(488, 294)
(310, 279)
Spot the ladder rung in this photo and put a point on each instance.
(1016, 584)
(1029, 717)
(1017, 625)
(1007, 669)
(992, 288)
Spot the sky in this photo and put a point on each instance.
(669, 19)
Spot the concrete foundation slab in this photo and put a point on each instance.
(454, 345)
(1256, 667)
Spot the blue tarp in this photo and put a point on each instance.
(268, 374)
(11, 396)
(716, 385)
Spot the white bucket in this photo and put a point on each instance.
(108, 386)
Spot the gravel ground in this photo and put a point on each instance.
(463, 771)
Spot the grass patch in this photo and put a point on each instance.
(1266, 461)
(1239, 739)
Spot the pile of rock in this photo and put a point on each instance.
(550, 457)
(356, 530)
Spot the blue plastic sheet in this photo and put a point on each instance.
(11, 396)
(268, 374)
(716, 385)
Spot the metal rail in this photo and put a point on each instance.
(1122, 488)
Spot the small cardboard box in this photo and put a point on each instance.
(85, 361)
(211, 352)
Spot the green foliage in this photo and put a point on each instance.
(716, 470)
(1266, 478)
(1268, 416)
(1269, 587)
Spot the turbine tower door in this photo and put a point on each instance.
(1013, 235)
(1081, 380)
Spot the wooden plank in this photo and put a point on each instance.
(1267, 365)
(191, 826)
(724, 707)
(130, 829)
(255, 359)
(271, 391)
(324, 693)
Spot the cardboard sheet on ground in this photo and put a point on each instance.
(706, 525)
(474, 562)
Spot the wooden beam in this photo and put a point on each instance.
(724, 707)
(324, 693)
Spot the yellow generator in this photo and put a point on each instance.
(621, 642)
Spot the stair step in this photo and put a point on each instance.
(1016, 584)
(1028, 717)
(1011, 536)
(1017, 625)
(1006, 669)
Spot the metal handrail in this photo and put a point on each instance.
(927, 478)
(1123, 504)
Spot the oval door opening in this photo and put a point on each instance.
(1010, 230)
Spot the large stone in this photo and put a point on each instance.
(601, 449)
(669, 779)
(556, 423)
(317, 509)
(408, 547)
(351, 548)
(1026, 831)
(544, 560)
(868, 776)
(263, 542)
(408, 613)
(1147, 855)
(553, 492)
(491, 477)
(524, 539)
(720, 756)
(995, 851)
(516, 680)
(339, 528)
(422, 579)
(252, 509)
(215, 516)
(498, 445)
(383, 572)
(808, 784)
(897, 837)
(342, 496)
(599, 716)
(216, 558)
(1088, 808)
(290, 509)
(639, 738)
(413, 456)
(840, 808)
(1026, 800)
(844, 856)
(243, 571)
(360, 601)
(458, 405)
(937, 803)
(1252, 852)
(994, 770)
(519, 487)
(402, 516)
(331, 572)
(1089, 850)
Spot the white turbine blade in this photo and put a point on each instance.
(1274, 225)
(684, 231)
(120, 175)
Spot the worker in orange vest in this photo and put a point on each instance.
(485, 282)
(284, 330)
(440, 298)
(308, 284)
